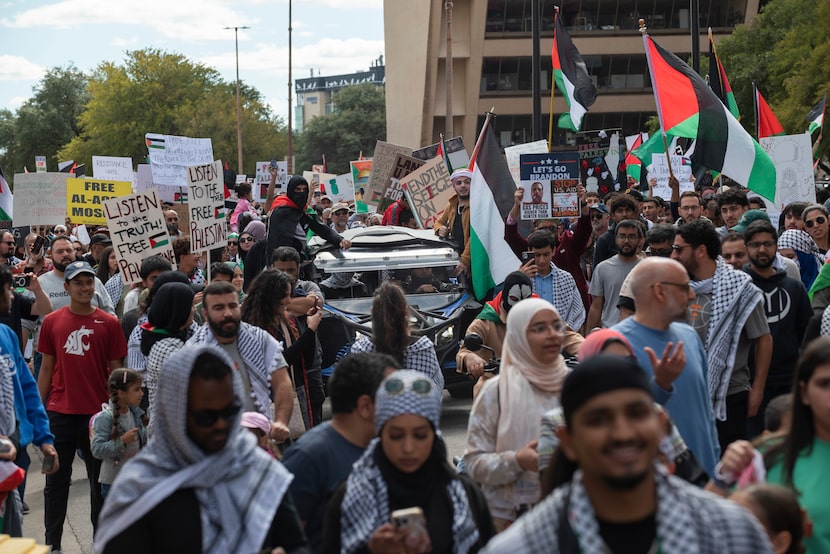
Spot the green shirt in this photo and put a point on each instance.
(811, 477)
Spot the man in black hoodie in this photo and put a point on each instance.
(788, 311)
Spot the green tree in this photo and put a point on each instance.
(159, 92)
(45, 122)
(358, 122)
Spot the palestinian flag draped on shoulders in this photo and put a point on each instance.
(491, 197)
(571, 76)
(688, 108)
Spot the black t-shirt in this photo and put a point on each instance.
(636, 537)
(21, 309)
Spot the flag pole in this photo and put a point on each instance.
(644, 32)
(757, 111)
(488, 116)
(552, 84)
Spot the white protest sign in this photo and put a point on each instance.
(659, 169)
(793, 158)
(138, 230)
(428, 189)
(112, 168)
(40, 199)
(341, 188)
(166, 193)
(171, 156)
(206, 198)
(512, 154)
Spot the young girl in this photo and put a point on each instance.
(119, 430)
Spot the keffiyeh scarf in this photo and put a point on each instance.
(365, 507)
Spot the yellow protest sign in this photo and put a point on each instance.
(85, 198)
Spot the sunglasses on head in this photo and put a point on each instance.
(419, 386)
(820, 220)
(208, 418)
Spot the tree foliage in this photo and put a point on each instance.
(784, 50)
(45, 122)
(160, 92)
(358, 122)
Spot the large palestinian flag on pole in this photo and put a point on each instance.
(718, 81)
(765, 121)
(571, 76)
(816, 116)
(491, 197)
(687, 107)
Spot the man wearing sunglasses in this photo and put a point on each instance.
(7, 248)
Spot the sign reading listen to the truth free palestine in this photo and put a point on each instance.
(138, 230)
(206, 197)
(549, 181)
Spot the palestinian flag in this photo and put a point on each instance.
(687, 107)
(157, 241)
(219, 213)
(571, 76)
(442, 152)
(6, 199)
(491, 197)
(633, 165)
(154, 141)
(765, 121)
(816, 116)
(718, 81)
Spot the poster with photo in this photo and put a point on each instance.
(550, 184)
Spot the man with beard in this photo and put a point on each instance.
(454, 221)
(7, 247)
(616, 497)
(610, 274)
(788, 311)
(657, 328)
(255, 354)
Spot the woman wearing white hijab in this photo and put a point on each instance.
(505, 420)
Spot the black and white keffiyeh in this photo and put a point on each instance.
(734, 297)
(239, 488)
(566, 298)
(365, 506)
(420, 356)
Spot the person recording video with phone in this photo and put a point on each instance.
(35, 247)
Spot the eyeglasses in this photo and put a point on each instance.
(628, 238)
(246, 239)
(684, 286)
(172, 219)
(208, 418)
(680, 247)
(233, 242)
(10, 242)
(766, 244)
(557, 327)
(817, 221)
(396, 386)
(597, 215)
(340, 212)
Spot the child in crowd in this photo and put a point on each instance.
(119, 430)
(259, 425)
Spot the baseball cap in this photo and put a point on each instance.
(99, 238)
(76, 268)
(325, 197)
(600, 208)
(748, 217)
(339, 206)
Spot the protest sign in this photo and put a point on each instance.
(263, 178)
(206, 194)
(318, 168)
(317, 182)
(40, 198)
(455, 152)
(341, 188)
(404, 165)
(84, 198)
(428, 189)
(112, 168)
(166, 193)
(361, 169)
(383, 164)
(659, 169)
(599, 156)
(40, 164)
(512, 153)
(792, 155)
(549, 181)
(171, 156)
(138, 230)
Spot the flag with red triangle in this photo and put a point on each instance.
(718, 81)
(442, 153)
(6, 199)
(765, 121)
(571, 76)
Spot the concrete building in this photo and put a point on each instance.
(491, 53)
(315, 94)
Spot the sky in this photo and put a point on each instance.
(332, 37)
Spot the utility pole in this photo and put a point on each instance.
(238, 103)
(290, 155)
(694, 9)
(448, 124)
(536, 61)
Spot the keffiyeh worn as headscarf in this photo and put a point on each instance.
(809, 258)
(239, 488)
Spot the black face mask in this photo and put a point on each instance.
(299, 198)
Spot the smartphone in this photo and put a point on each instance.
(22, 281)
(411, 521)
(274, 163)
(38, 244)
(48, 464)
(527, 256)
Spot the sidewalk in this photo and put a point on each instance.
(77, 530)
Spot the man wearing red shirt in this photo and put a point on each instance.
(81, 345)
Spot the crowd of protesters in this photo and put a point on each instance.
(195, 398)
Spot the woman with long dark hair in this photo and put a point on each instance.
(391, 335)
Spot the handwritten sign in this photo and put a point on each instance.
(166, 193)
(317, 180)
(512, 154)
(171, 156)
(659, 169)
(40, 164)
(138, 231)
(428, 189)
(341, 188)
(263, 178)
(600, 150)
(383, 164)
(361, 169)
(404, 165)
(792, 155)
(208, 225)
(549, 181)
(40, 198)
(112, 168)
(84, 198)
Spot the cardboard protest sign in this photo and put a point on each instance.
(171, 156)
(512, 153)
(455, 152)
(659, 169)
(383, 164)
(599, 155)
(40, 164)
(549, 181)
(361, 169)
(138, 230)
(792, 155)
(206, 194)
(112, 168)
(40, 198)
(404, 165)
(166, 193)
(341, 188)
(428, 189)
(84, 198)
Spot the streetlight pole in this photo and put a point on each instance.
(238, 102)
(448, 124)
(290, 154)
